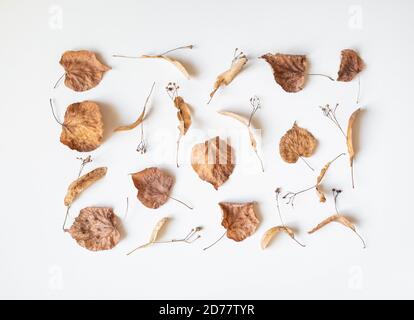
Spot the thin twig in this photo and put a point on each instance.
(57, 82)
(142, 148)
(53, 113)
(277, 191)
(215, 241)
(178, 48)
(66, 217)
(307, 163)
(292, 195)
(183, 203)
(322, 75)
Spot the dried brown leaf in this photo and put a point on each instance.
(213, 161)
(155, 232)
(239, 219)
(154, 186)
(245, 121)
(269, 234)
(82, 183)
(349, 141)
(334, 218)
(349, 135)
(83, 69)
(228, 76)
(133, 125)
(174, 62)
(183, 115)
(297, 142)
(96, 229)
(319, 179)
(289, 70)
(339, 219)
(82, 129)
(351, 65)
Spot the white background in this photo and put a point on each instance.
(37, 260)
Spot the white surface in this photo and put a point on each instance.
(38, 261)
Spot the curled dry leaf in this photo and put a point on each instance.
(133, 125)
(269, 234)
(183, 115)
(82, 183)
(227, 77)
(174, 62)
(339, 219)
(351, 65)
(213, 161)
(349, 141)
(96, 229)
(82, 129)
(141, 117)
(154, 186)
(245, 122)
(154, 235)
(319, 179)
(83, 70)
(297, 142)
(289, 70)
(239, 219)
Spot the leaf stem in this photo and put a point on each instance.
(322, 75)
(53, 113)
(66, 218)
(58, 81)
(216, 241)
(178, 48)
(183, 203)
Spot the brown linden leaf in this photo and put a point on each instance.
(297, 142)
(82, 183)
(96, 229)
(228, 76)
(239, 219)
(83, 69)
(213, 161)
(289, 70)
(154, 186)
(351, 65)
(82, 129)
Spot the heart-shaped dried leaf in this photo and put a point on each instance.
(351, 65)
(297, 142)
(154, 186)
(289, 70)
(83, 69)
(239, 219)
(247, 123)
(96, 229)
(339, 219)
(82, 183)
(82, 129)
(349, 141)
(270, 234)
(213, 161)
(228, 76)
